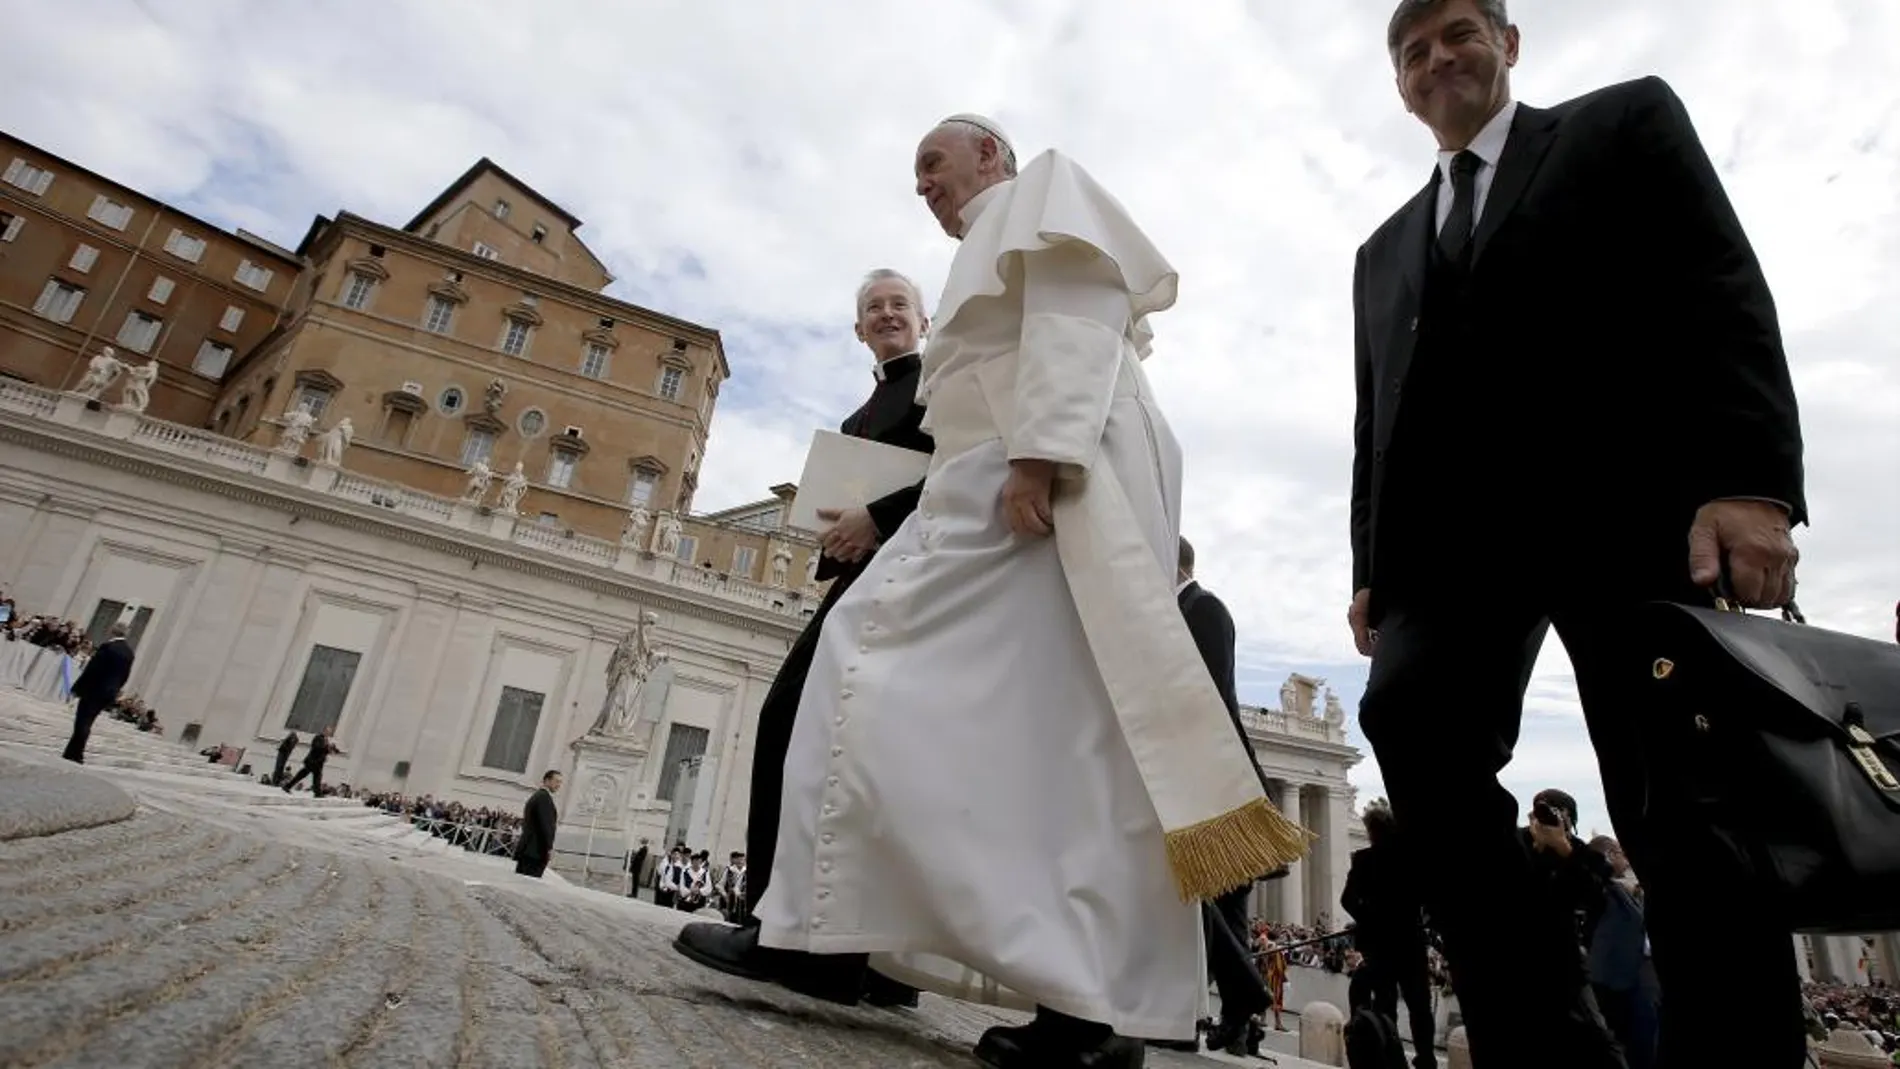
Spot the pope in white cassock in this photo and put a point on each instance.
(1011, 775)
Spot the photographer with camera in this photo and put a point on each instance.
(1577, 877)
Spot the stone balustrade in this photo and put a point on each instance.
(141, 432)
(1295, 725)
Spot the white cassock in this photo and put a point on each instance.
(962, 794)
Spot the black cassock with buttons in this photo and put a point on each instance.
(892, 416)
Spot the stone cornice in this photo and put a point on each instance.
(318, 378)
(368, 267)
(569, 443)
(523, 312)
(305, 504)
(449, 290)
(404, 401)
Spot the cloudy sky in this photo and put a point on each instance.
(742, 164)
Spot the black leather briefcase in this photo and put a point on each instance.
(1782, 742)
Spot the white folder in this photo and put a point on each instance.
(842, 472)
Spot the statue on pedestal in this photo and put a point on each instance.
(492, 396)
(101, 371)
(479, 476)
(137, 392)
(1335, 713)
(781, 564)
(811, 569)
(1289, 698)
(332, 443)
(512, 489)
(627, 671)
(669, 535)
(635, 534)
(295, 431)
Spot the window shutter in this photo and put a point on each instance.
(13, 228)
(44, 180)
(14, 170)
(83, 258)
(161, 290)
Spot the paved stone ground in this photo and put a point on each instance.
(175, 937)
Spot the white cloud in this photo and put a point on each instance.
(744, 164)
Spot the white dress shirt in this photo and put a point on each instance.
(1488, 146)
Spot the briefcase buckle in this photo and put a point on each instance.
(1862, 747)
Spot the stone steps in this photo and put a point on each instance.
(167, 773)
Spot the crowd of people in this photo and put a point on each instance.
(1873, 1011)
(481, 829)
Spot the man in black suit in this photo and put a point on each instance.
(1389, 931)
(97, 688)
(1224, 921)
(322, 745)
(891, 323)
(536, 844)
(1572, 398)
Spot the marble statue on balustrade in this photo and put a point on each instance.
(101, 371)
(137, 391)
(294, 431)
(781, 564)
(668, 539)
(332, 443)
(635, 534)
(1289, 697)
(811, 570)
(479, 476)
(632, 664)
(513, 487)
(1335, 712)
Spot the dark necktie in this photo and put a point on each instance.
(1455, 239)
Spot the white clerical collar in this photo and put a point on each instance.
(1182, 585)
(877, 369)
(975, 205)
(1488, 145)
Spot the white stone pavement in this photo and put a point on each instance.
(403, 921)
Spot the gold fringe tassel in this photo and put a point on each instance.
(1217, 855)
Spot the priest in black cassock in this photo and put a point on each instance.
(1224, 921)
(891, 323)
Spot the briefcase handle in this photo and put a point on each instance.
(1726, 601)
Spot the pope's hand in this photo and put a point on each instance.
(1363, 636)
(1026, 498)
(1753, 537)
(852, 535)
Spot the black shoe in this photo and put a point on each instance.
(835, 978)
(733, 951)
(1229, 1036)
(1029, 1047)
(1185, 1046)
(887, 994)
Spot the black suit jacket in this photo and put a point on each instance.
(1613, 281)
(891, 415)
(1383, 899)
(537, 827)
(1213, 629)
(105, 673)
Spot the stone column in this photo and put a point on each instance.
(1293, 887)
(1316, 816)
(1801, 952)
